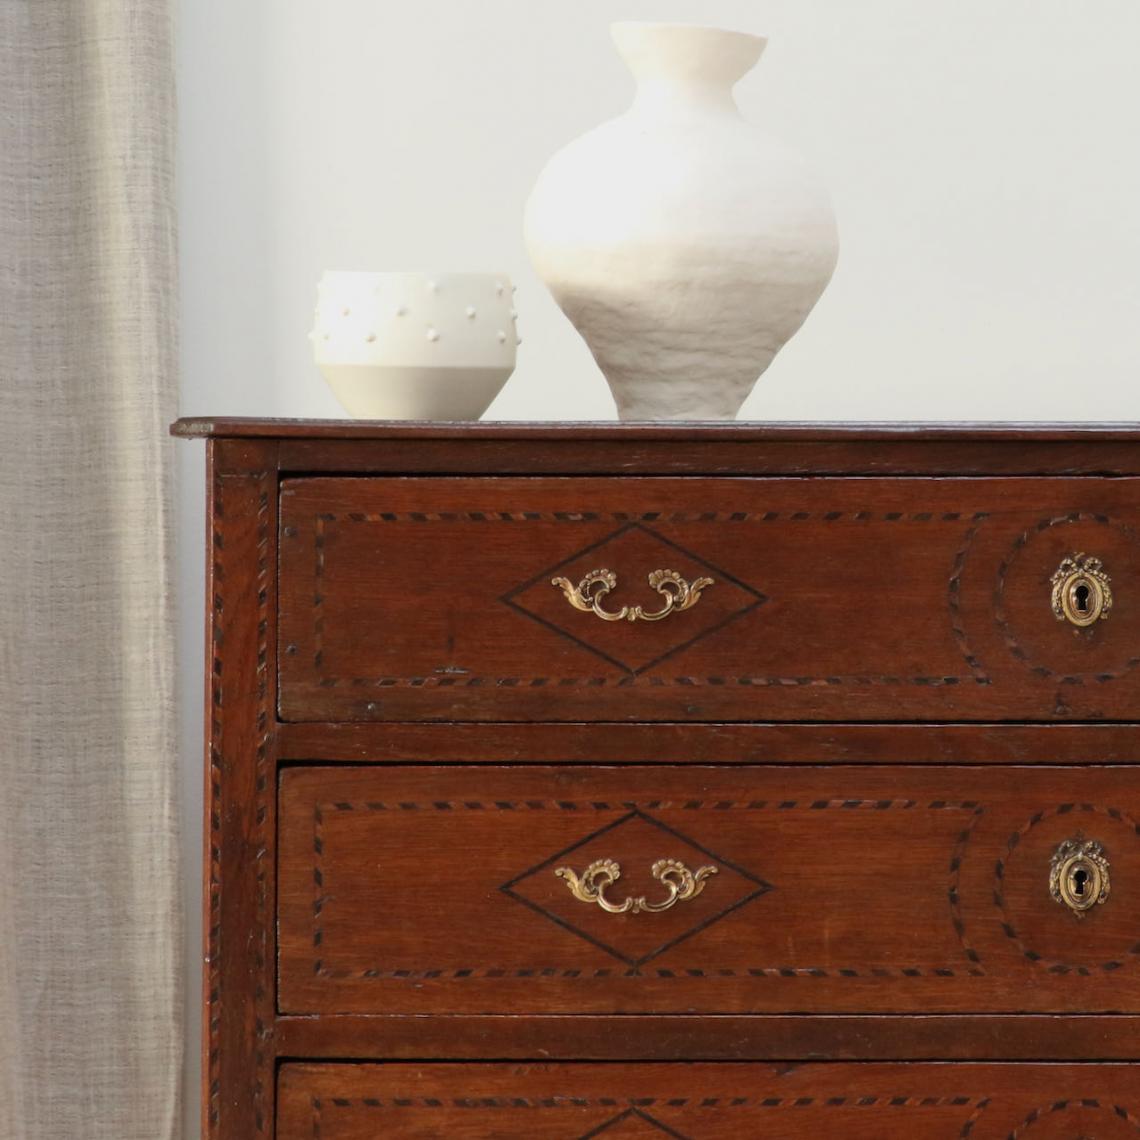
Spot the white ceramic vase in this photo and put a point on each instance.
(419, 346)
(685, 244)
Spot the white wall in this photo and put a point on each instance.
(983, 156)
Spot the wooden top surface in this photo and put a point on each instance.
(192, 427)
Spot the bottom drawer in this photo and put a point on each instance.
(709, 1101)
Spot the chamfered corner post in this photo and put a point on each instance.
(238, 895)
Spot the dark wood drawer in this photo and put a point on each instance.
(830, 598)
(709, 1101)
(836, 889)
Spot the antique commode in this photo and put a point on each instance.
(675, 780)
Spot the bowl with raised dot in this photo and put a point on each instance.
(420, 346)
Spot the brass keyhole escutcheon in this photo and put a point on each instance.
(1078, 876)
(1082, 594)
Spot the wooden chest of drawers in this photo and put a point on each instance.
(697, 781)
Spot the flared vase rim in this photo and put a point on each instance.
(618, 26)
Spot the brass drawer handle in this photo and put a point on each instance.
(1078, 876)
(1081, 591)
(591, 885)
(588, 594)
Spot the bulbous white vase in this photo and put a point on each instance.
(685, 244)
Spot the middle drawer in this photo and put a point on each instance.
(653, 889)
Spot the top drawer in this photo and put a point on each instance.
(713, 599)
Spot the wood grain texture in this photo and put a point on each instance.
(837, 890)
(255, 427)
(852, 599)
(514, 743)
(758, 1037)
(524, 456)
(695, 449)
(238, 1094)
(710, 1102)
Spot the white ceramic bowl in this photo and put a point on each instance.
(427, 346)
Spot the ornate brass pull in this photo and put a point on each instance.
(588, 594)
(1078, 876)
(1081, 591)
(590, 887)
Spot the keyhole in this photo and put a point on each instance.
(1080, 877)
(1081, 597)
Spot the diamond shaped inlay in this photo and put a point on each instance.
(633, 553)
(636, 841)
(631, 1124)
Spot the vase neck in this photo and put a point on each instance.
(678, 66)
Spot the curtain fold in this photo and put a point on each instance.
(90, 960)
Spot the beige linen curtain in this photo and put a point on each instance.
(90, 992)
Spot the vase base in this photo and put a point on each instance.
(682, 392)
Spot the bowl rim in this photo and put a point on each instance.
(412, 275)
